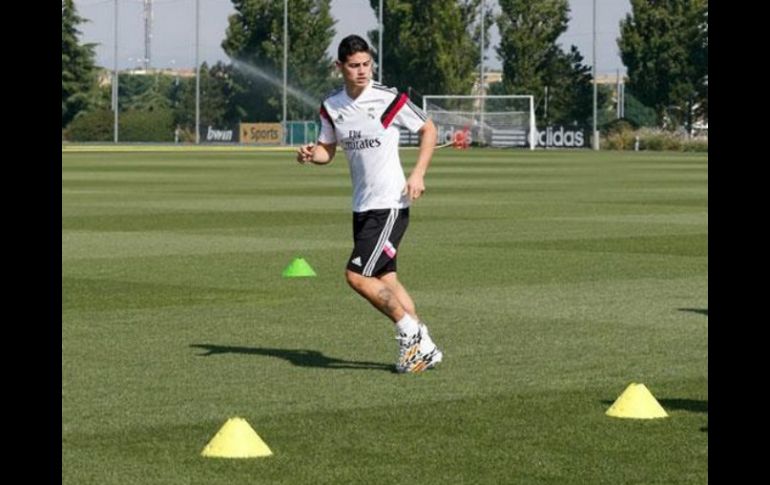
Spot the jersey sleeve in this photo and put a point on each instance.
(402, 112)
(326, 135)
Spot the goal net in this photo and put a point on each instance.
(490, 120)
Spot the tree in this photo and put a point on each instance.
(638, 113)
(534, 64)
(144, 92)
(429, 46)
(254, 40)
(78, 76)
(570, 88)
(664, 46)
(213, 98)
(702, 87)
(528, 33)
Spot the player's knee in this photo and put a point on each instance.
(355, 280)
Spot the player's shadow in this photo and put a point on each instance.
(298, 357)
(700, 311)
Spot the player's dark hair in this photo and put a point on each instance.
(350, 45)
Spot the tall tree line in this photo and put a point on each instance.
(429, 47)
(78, 75)
(533, 63)
(254, 41)
(664, 46)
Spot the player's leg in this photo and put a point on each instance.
(430, 354)
(378, 293)
(408, 332)
(391, 281)
(376, 234)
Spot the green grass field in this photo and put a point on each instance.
(551, 279)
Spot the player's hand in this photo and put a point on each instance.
(415, 187)
(305, 153)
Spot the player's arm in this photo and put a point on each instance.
(415, 184)
(322, 152)
(319, 154)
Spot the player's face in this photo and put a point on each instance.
(357, 70)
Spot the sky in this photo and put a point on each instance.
(173, 31)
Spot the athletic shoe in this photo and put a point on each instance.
(431, 355)
(408, 352)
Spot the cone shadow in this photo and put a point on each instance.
(691, 405)
(700, 311)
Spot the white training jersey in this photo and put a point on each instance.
(367, 128)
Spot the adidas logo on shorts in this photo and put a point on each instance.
(356, 261)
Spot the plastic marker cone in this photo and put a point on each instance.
(236, 439)
(298, 268)
(636, 402)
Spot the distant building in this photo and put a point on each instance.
(105, 75)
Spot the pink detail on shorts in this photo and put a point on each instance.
(389, 250)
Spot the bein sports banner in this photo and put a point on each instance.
(261, 133)
(215, 134)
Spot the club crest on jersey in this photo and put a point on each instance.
(370, 113)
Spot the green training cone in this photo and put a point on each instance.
(298, 268)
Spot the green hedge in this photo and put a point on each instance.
(139, 126)
(652, 139)
(91, 126)
(696, 145)
(157, 125)
(621, 140)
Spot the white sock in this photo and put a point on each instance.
(407, 325)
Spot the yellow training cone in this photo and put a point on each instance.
(236, 439)
(636, 402)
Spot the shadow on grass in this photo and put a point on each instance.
(691, 405)
(700, 311)
(298, 357)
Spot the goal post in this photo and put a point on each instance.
(490, 120)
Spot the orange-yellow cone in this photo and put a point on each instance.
(236, 439)
(636, 402)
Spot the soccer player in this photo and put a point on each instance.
(364, 118)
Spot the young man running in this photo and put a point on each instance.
(364, 118)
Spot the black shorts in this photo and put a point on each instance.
(376, 235)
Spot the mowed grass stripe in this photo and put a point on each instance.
(551, 279)
(472, 443)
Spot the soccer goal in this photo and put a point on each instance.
(491, 120)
